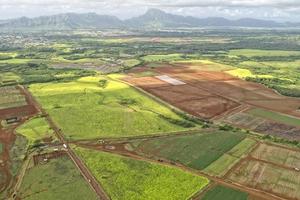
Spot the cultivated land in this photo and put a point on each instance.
(11, 97)
(221, 193)
(56, 179)
(125, 178)
(95, 107)
(268, 177)
(209, 94)
(221, 166)
(196, 151)
(133, 146)
(36, 130)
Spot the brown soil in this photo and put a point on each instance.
(210, 94)
(7, 137)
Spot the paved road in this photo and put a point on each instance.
(77, 161)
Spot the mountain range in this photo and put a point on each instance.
(153, 18)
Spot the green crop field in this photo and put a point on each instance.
(17, 154)
(196, 151)
(220, 193)
(35, 130)
(205, 65)
(125, 178)
(262, 53)
(221, 166)
(162, 58)
(276, 117)
(58, 179)
(94, 107)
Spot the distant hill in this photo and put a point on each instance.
(65, 21)
(158, 18)
(153, 18)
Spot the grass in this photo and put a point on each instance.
(242, 148)
(244, 73)
(162, 58)
(125, 178)
(17, 153)
(220, 193)
(205, 65)
(289, 120)
(58, 179)
(196, 151)
(262, 53)
(221, 166)
(35, 130)
(130, 63)
(9, 77)
(83, 109)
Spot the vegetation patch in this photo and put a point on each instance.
(85, 109)
(221, 166)
(35, 130)
(57, 179)
(220, 193)
(11, 97)
(162, 58)
(289, 120)
(125, 178)
(196, 151)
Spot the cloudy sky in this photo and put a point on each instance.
(281, 10)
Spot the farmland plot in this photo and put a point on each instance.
(278, 155)
(221, 166)
(196, 151)
(221, 193)
(271, 178)
(125, 178)
(11, 97)
(94, 107)
(57, 179)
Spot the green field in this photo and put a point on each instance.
(221, 166)
(289, 120)
(262, 53)
(35, 130)
(205, 65)
(125, 178)
(162, 58)
(58, 179)
(196, 151)
(17, 153)
(94, 107)
(222, 193)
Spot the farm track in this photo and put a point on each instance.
(152, 136)
(77, 161)
(123, 152)
(8, 137)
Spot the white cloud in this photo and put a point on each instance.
(277, 9)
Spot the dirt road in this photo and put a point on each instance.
(77, 161)
(227, 183)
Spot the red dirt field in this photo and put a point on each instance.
(7, 137)
(209, 94)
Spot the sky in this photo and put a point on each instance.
(279, 10)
